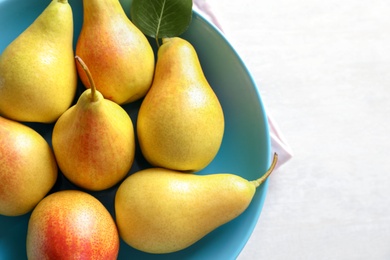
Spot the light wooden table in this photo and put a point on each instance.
(323, 71)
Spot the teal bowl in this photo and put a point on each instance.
(245, 149)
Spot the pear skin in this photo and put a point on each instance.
(162, 211)
(117, 53)
(38, 77)
(93, 141)
(180, 124)
(28, 169)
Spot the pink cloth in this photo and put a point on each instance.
(278, 142)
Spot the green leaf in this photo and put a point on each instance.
(161, 18)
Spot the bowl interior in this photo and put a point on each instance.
(245, 149)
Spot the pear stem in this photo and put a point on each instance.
(260, 180)
(90, 79)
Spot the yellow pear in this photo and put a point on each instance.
(117, 53)
(93, 141)
(28, 169)
(162, 211)
(180, 123)
(38, 77)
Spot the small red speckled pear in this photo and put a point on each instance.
(71, 224)
(93, 141)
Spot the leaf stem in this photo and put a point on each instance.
(158, 43)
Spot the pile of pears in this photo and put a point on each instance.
(163, 208)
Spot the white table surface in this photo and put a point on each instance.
(323, 71)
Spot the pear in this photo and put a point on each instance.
(28, 169)
(93, 141)
(71, 224)
(117, 53)
(180, 124)
(162, 211)
(38, 77)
